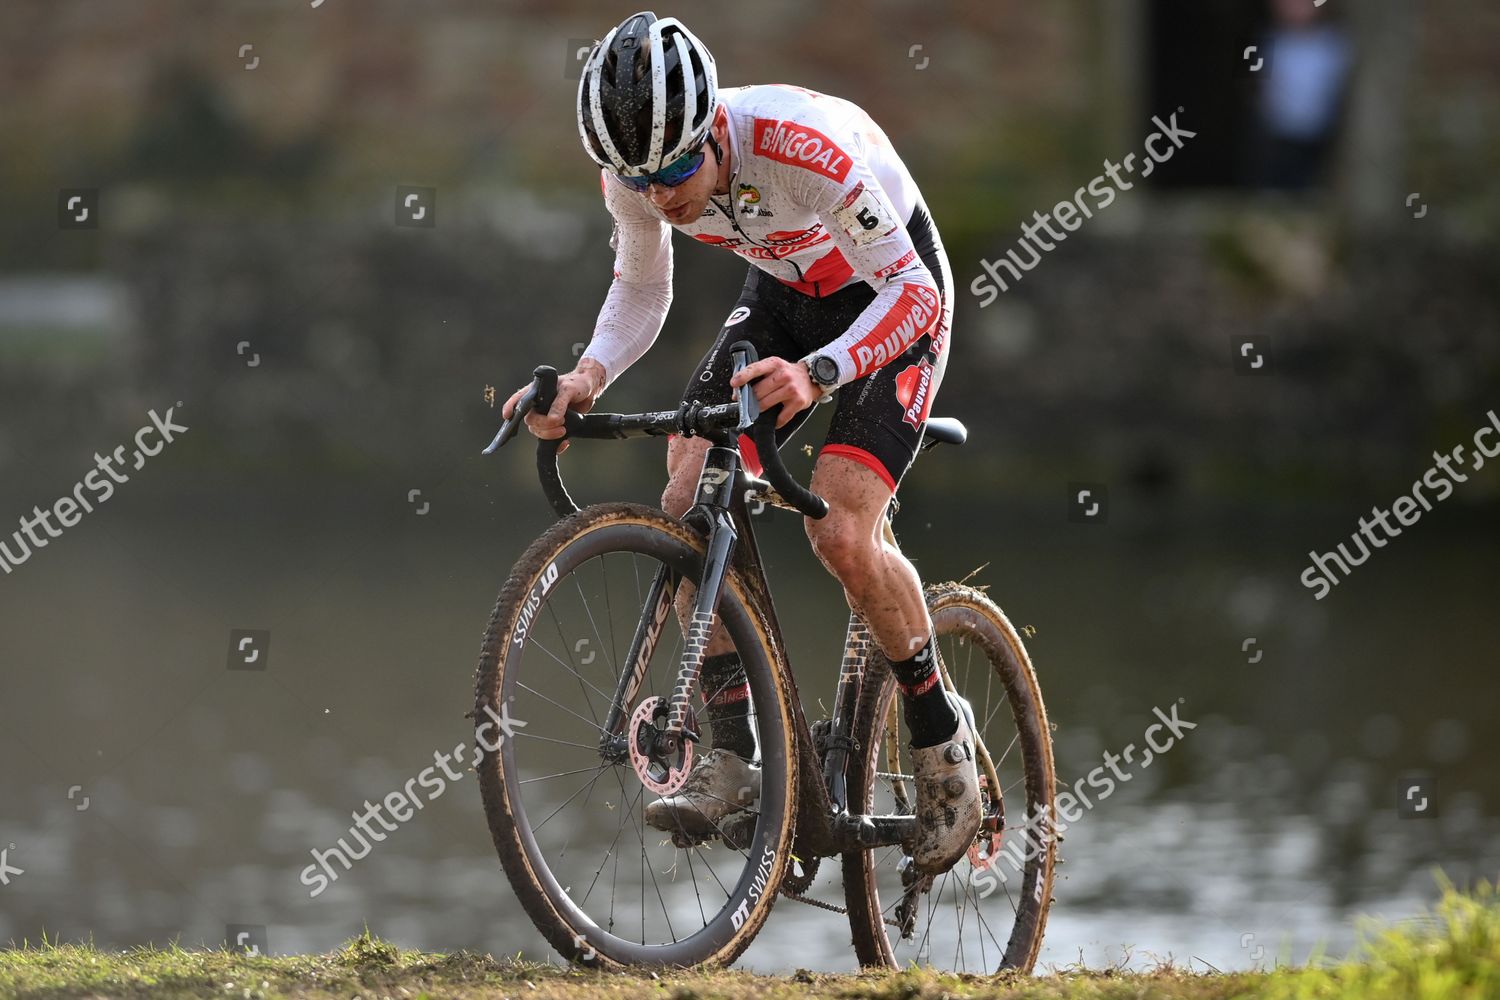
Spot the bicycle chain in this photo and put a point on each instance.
(832, 907)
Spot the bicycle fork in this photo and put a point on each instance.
(716, 493)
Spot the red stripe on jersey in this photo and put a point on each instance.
(906, 258)
(826, 275)
(915, 313)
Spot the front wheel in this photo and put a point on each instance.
(988, 911)
(566, 813)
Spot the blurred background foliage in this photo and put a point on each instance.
(247, 163)
(330, 363)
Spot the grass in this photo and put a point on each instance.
(1454, 953)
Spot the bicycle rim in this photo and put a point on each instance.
(989, 911)
(604, 887)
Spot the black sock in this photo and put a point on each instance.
(726, 691)
(929, 714)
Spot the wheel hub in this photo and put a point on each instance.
(660, 761)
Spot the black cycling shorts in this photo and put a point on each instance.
(877, 419)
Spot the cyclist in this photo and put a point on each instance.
(848, 292)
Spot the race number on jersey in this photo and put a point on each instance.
(862, 217)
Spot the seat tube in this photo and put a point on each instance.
(857, 644)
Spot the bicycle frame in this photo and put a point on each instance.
(824, 824)
(722, 513)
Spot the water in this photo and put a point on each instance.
(152, 794)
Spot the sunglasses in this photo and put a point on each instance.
(671, 175)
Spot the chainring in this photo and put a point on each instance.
(796, 884)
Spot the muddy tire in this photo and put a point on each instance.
(694, 905)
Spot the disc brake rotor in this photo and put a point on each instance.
(662, 773)
(986, 846)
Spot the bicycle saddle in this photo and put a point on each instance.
(946, 430)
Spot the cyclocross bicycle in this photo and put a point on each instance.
(584, 712)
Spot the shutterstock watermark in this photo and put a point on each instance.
(1103, 189)
(404, 803)
(1042, 828)
(70, 508)
(1439, 478)
(6, 868)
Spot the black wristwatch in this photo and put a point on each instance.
(824, 372)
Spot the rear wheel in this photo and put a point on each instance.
(987, 912)
(567, 817)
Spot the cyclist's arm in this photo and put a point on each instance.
(637, 302)
(859, 216)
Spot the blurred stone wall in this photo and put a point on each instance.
(1116, 355)
(254, 205)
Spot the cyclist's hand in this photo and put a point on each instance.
(576, 390)
(780, 381)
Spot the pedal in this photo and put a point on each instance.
(683, 840)
(738, 830)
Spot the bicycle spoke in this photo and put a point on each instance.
(587, 700)
(1009, 747)
(533, 641)
(551, 739)
(570, 798)
(693, 877)
(1008, 896)
(592, 785)
(932, 898)
(984, 963)
(656, 887)
(560, 705)
(958, 945)
(561, 774)
(986, 925)
(640, 793)
(609, 612)
(590, 612)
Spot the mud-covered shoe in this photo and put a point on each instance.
(948, 805)
(721, 783)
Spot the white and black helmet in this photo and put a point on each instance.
(647, 95)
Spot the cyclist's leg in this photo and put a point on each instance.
(857, 472)
(871, 442)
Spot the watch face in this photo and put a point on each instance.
(825, 370)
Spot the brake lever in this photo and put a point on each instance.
(542, 391)
(508, 429)
(743, 354)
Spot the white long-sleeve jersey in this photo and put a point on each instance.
(818, 200)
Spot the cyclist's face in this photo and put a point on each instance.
(685, 202)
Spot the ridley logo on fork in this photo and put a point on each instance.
(721, 469)
(657, 609)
